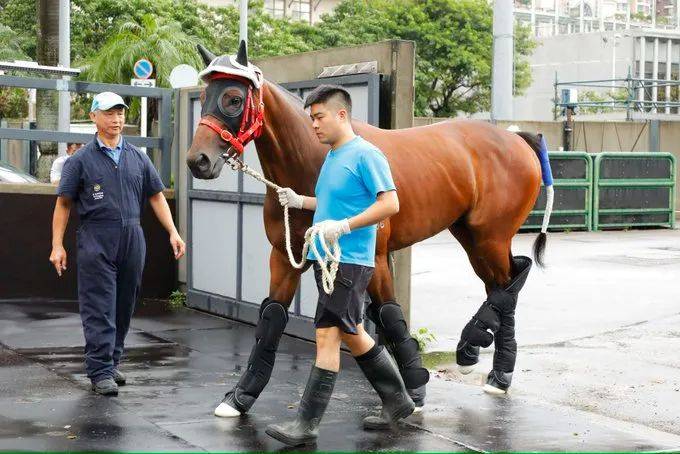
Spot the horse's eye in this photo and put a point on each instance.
(231, 106)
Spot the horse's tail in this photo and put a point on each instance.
(537, 142)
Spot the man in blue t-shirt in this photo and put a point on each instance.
(354, 192)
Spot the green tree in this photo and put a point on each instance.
(453, 45)
(161, 41)
(13, 102)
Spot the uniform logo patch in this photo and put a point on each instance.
(97, 193)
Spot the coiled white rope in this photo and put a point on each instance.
(330, 263)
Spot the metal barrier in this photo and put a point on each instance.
(162, 143)
(633, 190)
(572, 209)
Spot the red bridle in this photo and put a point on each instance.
(251, 123)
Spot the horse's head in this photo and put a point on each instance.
(232, 112)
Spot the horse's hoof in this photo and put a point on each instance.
(418, 409)
(226, 411)
(465, 369)
(490, 389)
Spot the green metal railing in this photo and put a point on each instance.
(633, 190)
(573, 181)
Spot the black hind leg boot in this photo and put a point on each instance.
(495, 319)
(505, 354)
(389, 319)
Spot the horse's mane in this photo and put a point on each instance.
(293, 97)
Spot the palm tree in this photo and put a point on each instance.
(163, 42)
(47, 101)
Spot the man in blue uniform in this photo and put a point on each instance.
(354, 192)
(109, 180)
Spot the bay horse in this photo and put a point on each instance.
(469, 177)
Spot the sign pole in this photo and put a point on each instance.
(142, 123)
(143, 70)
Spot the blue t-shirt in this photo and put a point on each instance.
(350, 180)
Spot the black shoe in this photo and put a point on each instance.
(382, 373)
(305, 429)
(118, 377)
(106, 387)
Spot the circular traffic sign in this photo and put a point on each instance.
(143, 68)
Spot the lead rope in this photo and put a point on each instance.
(328, 264)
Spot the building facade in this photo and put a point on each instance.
(303, 10)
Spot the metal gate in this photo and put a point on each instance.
(160, 145)
(228, 261)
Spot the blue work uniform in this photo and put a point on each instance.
(109, 188)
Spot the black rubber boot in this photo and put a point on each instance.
(270, 326)
(304, 430)
(389, 319)
(382, 373)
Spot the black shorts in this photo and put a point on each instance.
(343, 308)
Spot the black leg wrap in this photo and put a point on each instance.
(505, 353)
(273, 319)
(389, 319)
(495, 319)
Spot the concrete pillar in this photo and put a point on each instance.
(243, 21)
(556, 18)
(641, 68)
(601, 15)
(655, 73)
(502, 63)
(669, 56)
(580, 16)
(64, 121)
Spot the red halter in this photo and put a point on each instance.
(251, 123)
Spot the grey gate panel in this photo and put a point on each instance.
(228, 261)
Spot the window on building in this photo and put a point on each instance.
(301, 10)
(275, 7)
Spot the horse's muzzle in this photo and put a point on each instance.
(203, 167)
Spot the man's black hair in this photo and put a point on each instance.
(323, 93)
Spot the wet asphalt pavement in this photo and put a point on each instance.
(179, 364)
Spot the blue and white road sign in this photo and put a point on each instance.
(143, 68)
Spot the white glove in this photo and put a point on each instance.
(332, 230)
(288, 197)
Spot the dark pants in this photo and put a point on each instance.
(110, 265)
(343, 308)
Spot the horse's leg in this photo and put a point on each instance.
(503, 276)
(270, 326)
(389, 319)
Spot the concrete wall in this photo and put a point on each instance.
(26, 232)
(573, 57)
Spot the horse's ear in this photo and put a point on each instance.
(206, 54)
(242, 57)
